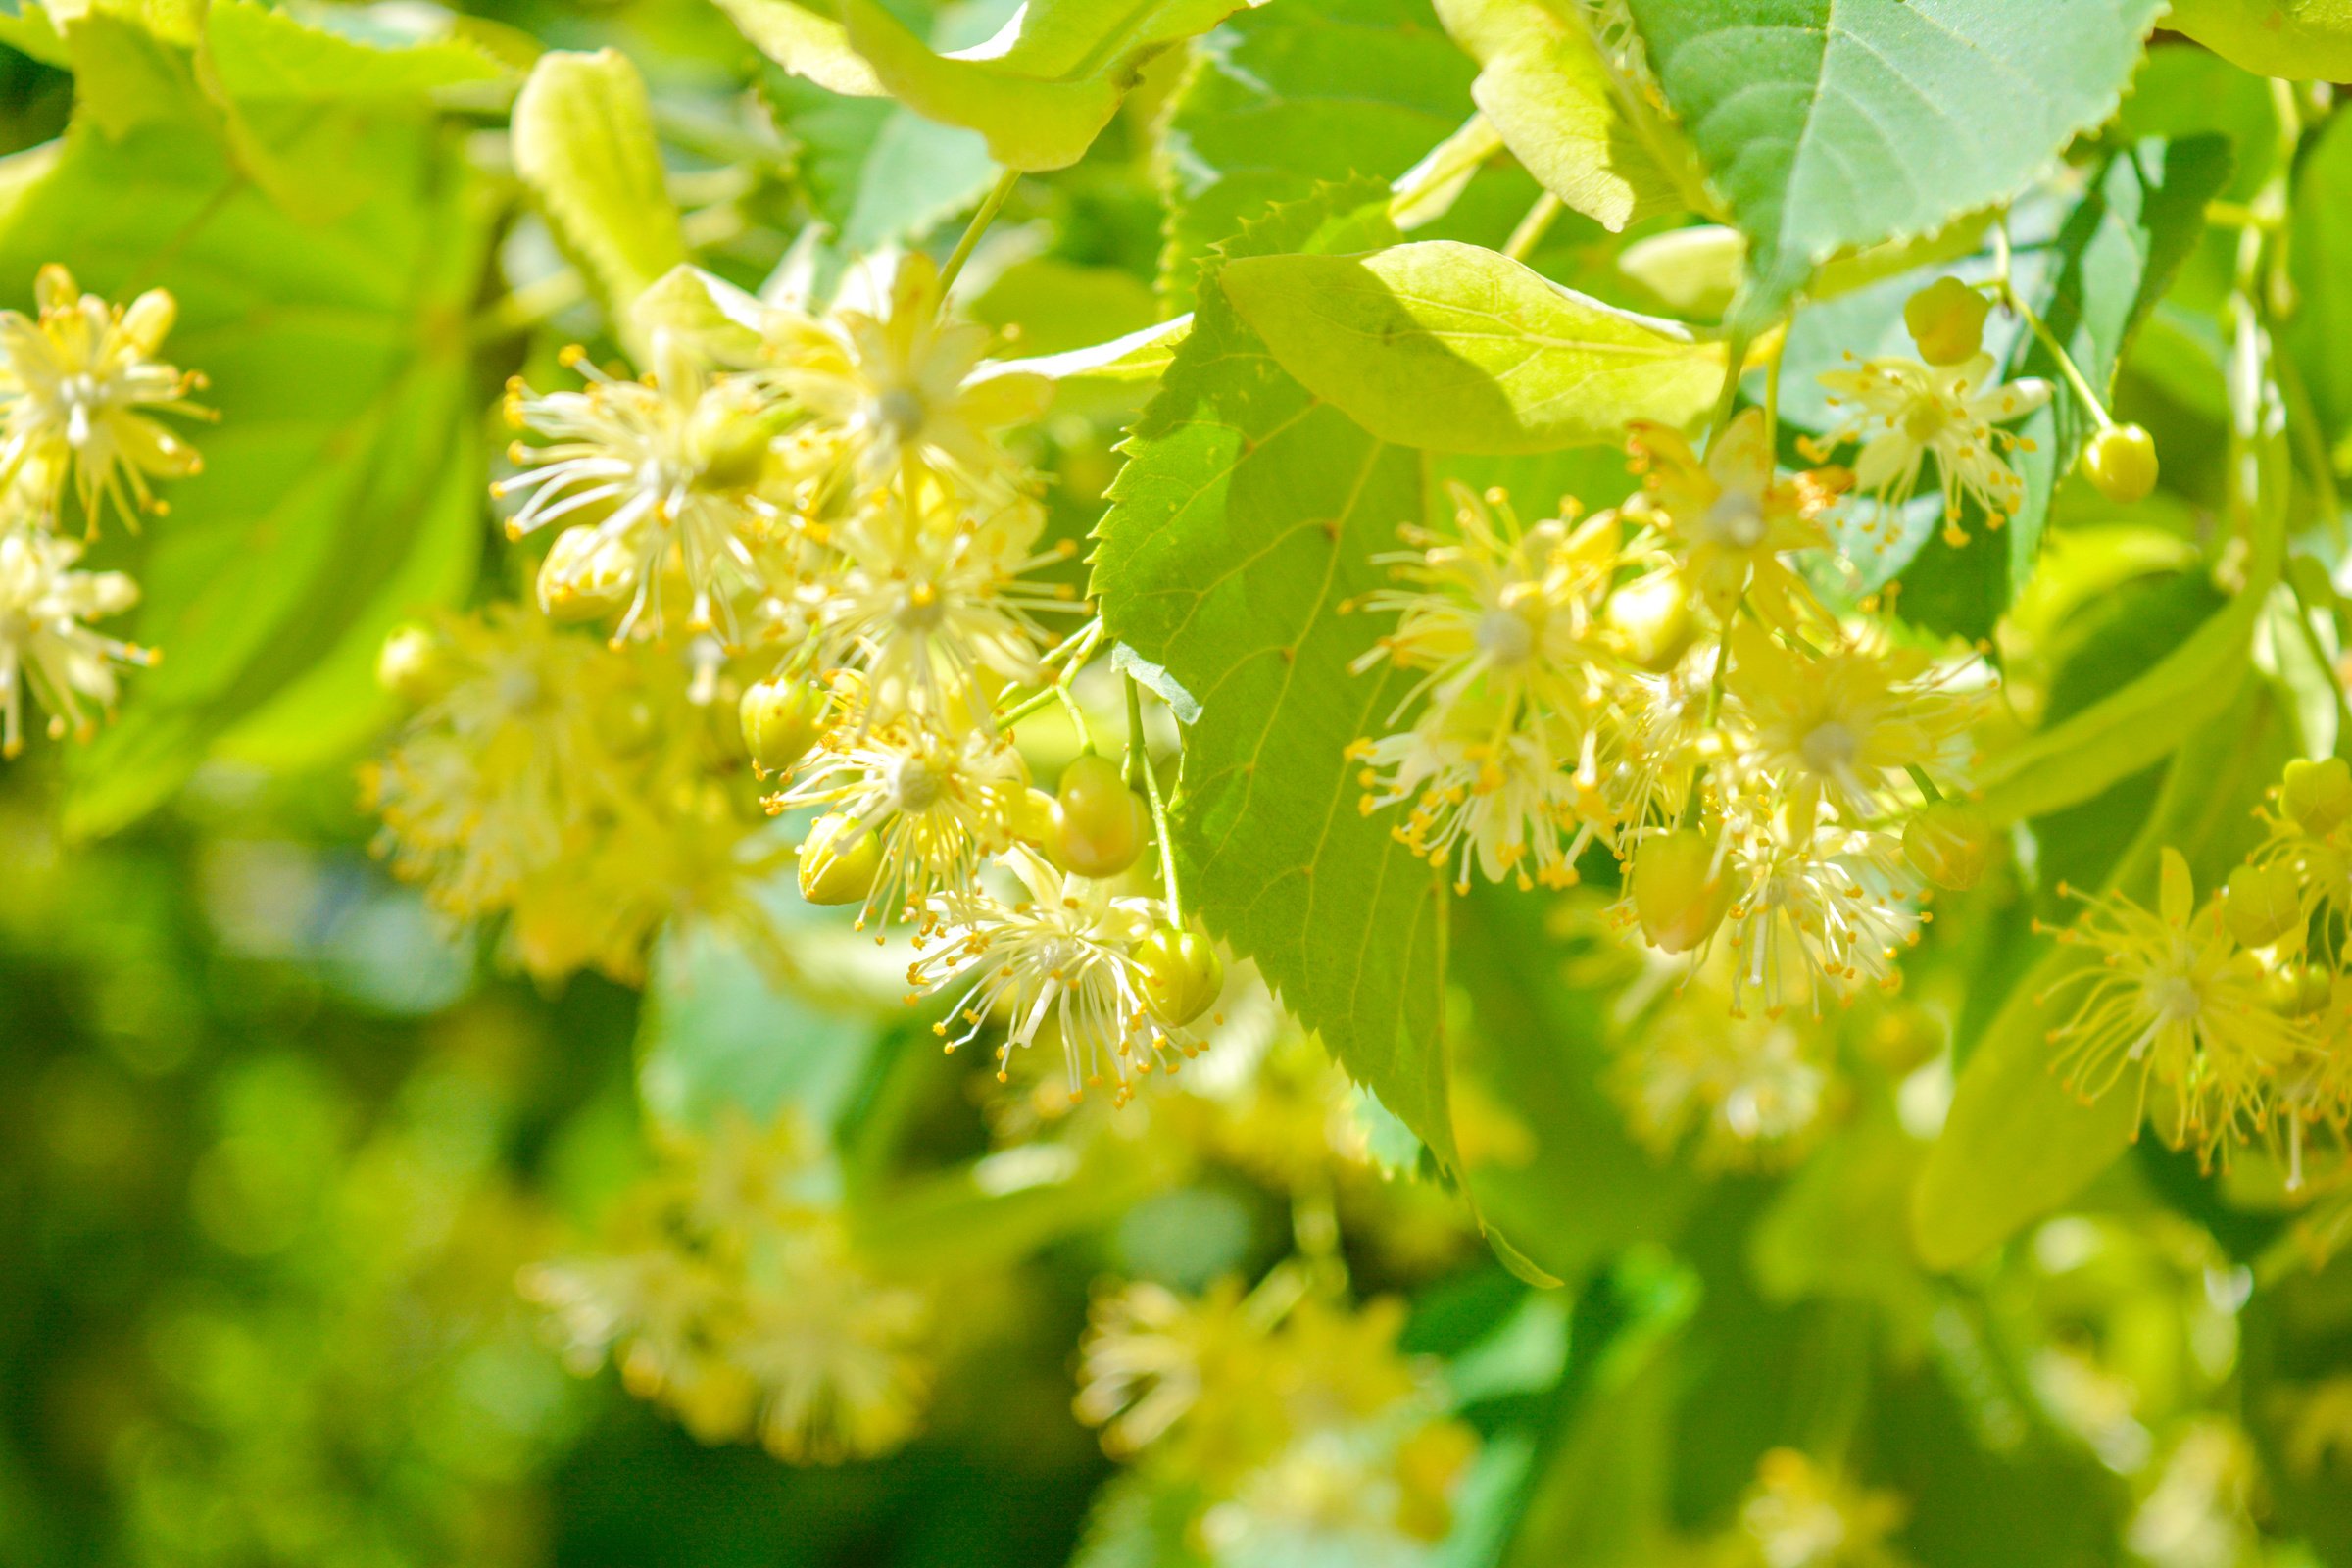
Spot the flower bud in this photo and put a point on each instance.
(1680, 895)
(838, 860)
(781, 720)
(1182, 973)
(728, 443)
(2120, 460)
(1100, 824)
(1031, 816)
(1948, 842)
(1652, 617)
(2298, 990)
(414, 665)
(1946, 320)
(587, 576)
(2316, 797)
(2262, 903)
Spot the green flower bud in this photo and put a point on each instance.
(587, 576)
(1100, 824)
(414, 665)
(1948, 842)
(781, 720)
(1182, 973)
(2298, 990)
(2120, 460)
(2316, 797)
(1652, 617)
(1946, 320)
(1680, 895)
(838, 860)
(2262, 903)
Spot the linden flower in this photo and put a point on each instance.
(833, 1352)
(72, 384)
(2178, 998)
(1495, 806)
(1821, 906)
(1846, 725)
(1733, 515)
(1752, 1091)
(939, 805)
(1147, 1355)
(925, 610)
(1065, 953)
(1902, 411)
(44, 643)
(905, 384)
(1799, 1515)
(1498, 613)
(664, 467)
(494, 780)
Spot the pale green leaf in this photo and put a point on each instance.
(1829, 125)
(257, 54)
(31, 30)
(1042, 89)
(2302, 40)
(1546, 87)
(807, 42)
(1249, 512)
(1457, 348)
(876, 171)
(584, 143)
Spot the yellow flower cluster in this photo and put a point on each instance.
(824, 500)
(1287, 1416)
(1800, 1513)
(724, 1286)
(75, 384)
(1660, 679)
(575, 788)
(2232, 1018)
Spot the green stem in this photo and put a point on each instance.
(2057, 351)
(1927, 785)
(1139, 760)
(987, 215)
(1532, 228)
(1735, 364)
(1035, 702)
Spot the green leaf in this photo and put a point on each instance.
(1284, 97)
(1458, 349)
(2017, 1143)
(299, 100)
(2319, 256)
(1830, 124)
(1248, 513)
(807, 42)
(333, 480)
(1546, 88)
(584, 144)
(877, 172)
(1042, 89)
(33, 31)
(2305, 40)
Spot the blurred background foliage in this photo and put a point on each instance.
(275, 1146)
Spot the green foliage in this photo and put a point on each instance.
(1446, 346)
(1831, 127)
(1242, 524)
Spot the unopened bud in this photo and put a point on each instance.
(2262, 903)
(2317, 796)
(1680, 894)
(2120, 460)
(1652, 617)
(781, 720)
(728, 442)
(1182, 973)
(587, 576)
(1946, 320)
(838, 860)
(1101, 825)
(414, 665)
(1948, 843)
(2298, 990)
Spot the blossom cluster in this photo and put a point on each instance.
(725, 1285)
(77, 383)
(1663, 680)
(2230, 1016)
(1286, 1416)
